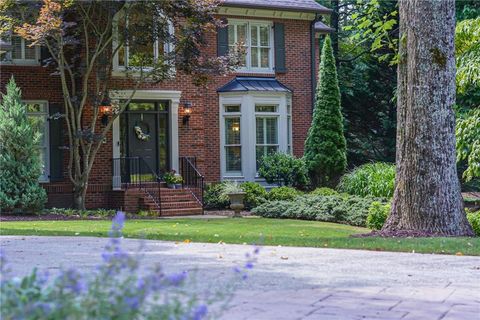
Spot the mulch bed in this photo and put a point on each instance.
(399, 234)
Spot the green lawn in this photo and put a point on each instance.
(247, 230)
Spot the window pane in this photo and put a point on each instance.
(231, 35)
(30, 52)
(232, 131)
(272, 134)
(259, 153)
(232, 108)
(289, 134)
(138, 106)
(233, 158)
(17, 48)
(265, 57)
(264, 36)
(265, 108)
(254, 57)
(141, 39)
(38, 122)
(254, 35)
(242, 33)
(35, 107)
(259, 131)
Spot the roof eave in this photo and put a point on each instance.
(280, 8)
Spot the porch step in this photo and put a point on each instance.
(181, 212)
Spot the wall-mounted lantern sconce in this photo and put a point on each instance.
(187, 109)
(105, 110)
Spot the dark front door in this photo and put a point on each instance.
(144, 134)
(143, 139)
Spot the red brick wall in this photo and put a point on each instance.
(201, 138)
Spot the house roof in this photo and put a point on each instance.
(285, 5)
(243, 84)
(322, 27)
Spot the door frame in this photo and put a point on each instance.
(148, 95)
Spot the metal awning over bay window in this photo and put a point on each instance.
(255, 120)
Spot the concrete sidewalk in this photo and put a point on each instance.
(291, 282)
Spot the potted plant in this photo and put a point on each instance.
(178, 181)
(236, 196)
(169, 178)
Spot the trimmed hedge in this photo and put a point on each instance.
(350, 210)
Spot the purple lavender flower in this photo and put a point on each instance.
(249, 265)
(200, 312)
(177, 278)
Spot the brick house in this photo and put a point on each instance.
(205, 134)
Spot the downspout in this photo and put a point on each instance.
(313, 66)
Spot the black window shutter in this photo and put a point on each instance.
(222, 41)
(279, 39)
(44, 55)
(56, 142)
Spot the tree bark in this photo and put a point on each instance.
(427, 195)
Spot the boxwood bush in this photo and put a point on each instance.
(351, 210)
(255, 194)
(323, 191)
(474, 219)
(283, 193)
(377, 215)
(371, 179)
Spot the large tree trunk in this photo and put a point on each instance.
(427, 195)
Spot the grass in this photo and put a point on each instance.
(247, 231)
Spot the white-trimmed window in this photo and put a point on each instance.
(148, 53)
(266, 131)
(233, 141)
(257, 41)
(22, 52)
(37, 113)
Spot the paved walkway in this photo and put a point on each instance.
(294, 283)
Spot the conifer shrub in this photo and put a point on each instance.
(325, 146)
(20, 161)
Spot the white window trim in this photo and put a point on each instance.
(45, 178)
(248, 68)
(21, 62)
(247, 101)
(122, 70)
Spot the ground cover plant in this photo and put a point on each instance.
(116, 289)
(372, 179)
(285, 232)
(341, 208)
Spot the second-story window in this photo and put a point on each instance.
(22, 52)
(257, 41)
(140, 43)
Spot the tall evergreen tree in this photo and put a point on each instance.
(325, 147)
(20, 165)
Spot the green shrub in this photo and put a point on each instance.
(351, 210)
(372, 179)
(20, 161)
(284, 169)
(474, 219)
(377, 215)
(214, 198)
(323, 191)
(255, 194)
(283, 193)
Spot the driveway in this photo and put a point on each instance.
(291, 282)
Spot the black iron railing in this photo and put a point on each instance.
(134, 172)
(193, 180)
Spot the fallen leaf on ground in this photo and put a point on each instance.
(284, 257)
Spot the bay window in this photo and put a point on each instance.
(256, 39)
(233, 145)
(266, 131)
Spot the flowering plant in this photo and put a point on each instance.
(116, 289)
(171, 177)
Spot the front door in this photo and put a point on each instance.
(144, 134)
